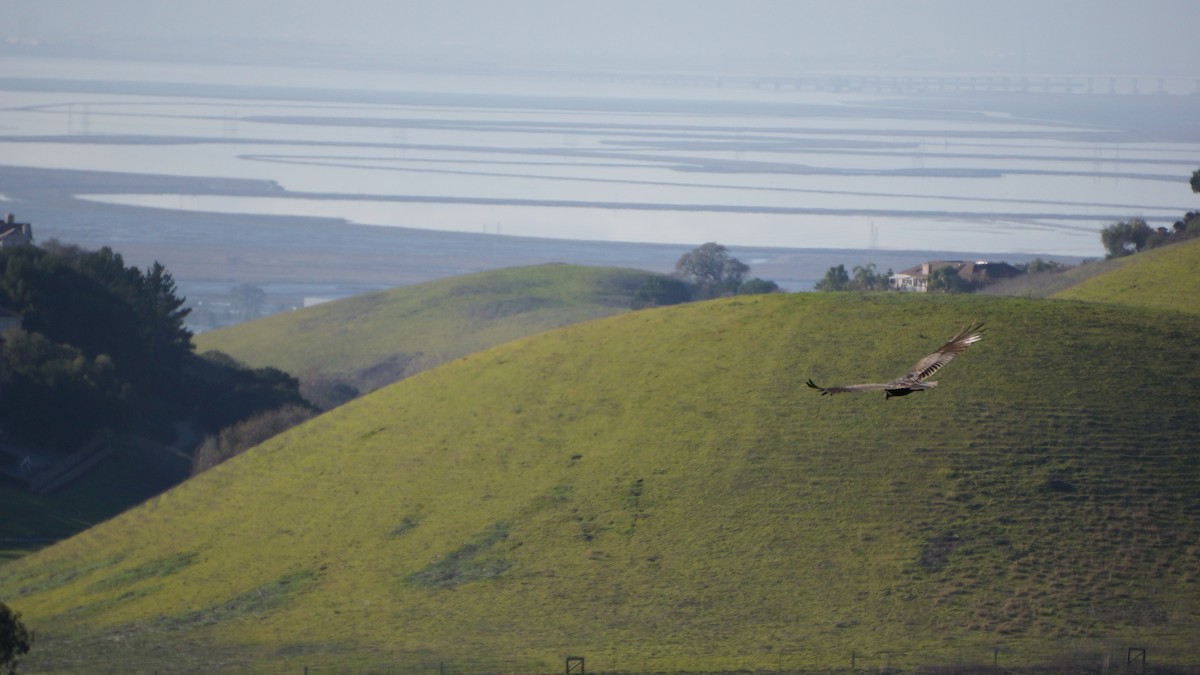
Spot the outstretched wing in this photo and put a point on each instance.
(945, 354)
(848, 389)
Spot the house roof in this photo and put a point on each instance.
(919, 270)
(977, 269)
(13, 229)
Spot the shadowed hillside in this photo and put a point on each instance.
(660, 491)
(1167, 277)
(371, 340)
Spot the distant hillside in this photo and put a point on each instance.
(659, 491)
(1167, 277)
(1046, 284)
(375, 339)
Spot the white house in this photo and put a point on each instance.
(916, 279)
(13, 233)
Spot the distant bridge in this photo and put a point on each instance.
(1053, 84)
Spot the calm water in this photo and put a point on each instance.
(603, 161)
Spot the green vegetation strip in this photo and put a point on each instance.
(152, 569)
(474, 561)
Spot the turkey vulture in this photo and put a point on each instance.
(914, 379)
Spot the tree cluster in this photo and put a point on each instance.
(1037, 266)
(1133, 235)
(104, 345)
(95, 303)
(709, 271)
(865, 279)
(946, 279)
(660, 292)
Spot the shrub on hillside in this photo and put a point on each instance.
(15, 640)
(757, 286)
(660, 292)
(246, 434)
(224, 392)
(328, 393)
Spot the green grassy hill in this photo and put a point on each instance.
(377, 338)
(366, 341)
(1163, 277)
(660, 491)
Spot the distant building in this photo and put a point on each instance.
(916, 279)
(13, 233)
(986, 272)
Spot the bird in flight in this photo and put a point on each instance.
(914, 379)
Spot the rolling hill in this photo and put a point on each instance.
(659, 491)
(365, 341)
(1163, 277)
(377, 338)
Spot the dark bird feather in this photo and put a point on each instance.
(915, 378)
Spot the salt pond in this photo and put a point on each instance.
(575, 159)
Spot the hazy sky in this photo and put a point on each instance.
(1146, 37)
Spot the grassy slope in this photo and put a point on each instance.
(377, 338)
(660, 491)
(370, 340)
(1163, 277)
(1046, 284)
(132, 474)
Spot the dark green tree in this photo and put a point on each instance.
(660, 291)
(223, 392)
(1188, 227)
(15, 640)
(836, 279)
(54, 395)
(946, 279)
(757, 286)
(164, 333)
(95, 303)
(867, 279)
(247, 301)
(106, 347)
(1196, 180)
(711, 271)
(1126, 237)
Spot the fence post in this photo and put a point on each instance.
(1136, 654)
(575, 665)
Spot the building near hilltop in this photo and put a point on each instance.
(13, 233)
(916, 279)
